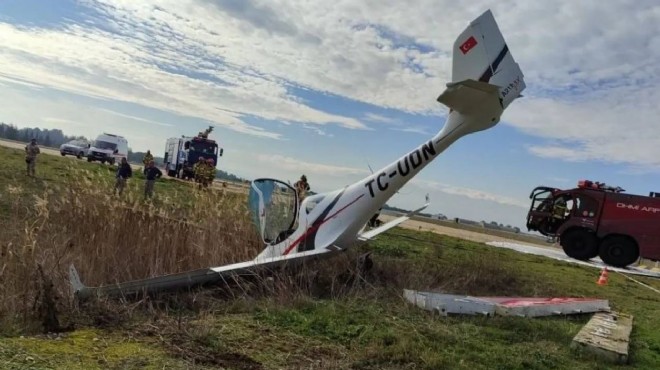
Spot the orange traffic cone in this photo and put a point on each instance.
(602, 280)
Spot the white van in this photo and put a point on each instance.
(108, 148)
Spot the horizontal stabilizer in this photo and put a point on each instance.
(467, 95)
(382, 228)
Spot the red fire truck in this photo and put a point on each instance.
(595, 219)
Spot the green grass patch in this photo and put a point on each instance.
(84, 349)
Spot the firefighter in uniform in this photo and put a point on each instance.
(210, 172)
(302, 187)
(559, 209)
(198, 170)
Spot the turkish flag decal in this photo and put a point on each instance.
(468, 44)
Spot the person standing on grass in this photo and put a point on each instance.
(209, 174)
(198, 170)
(147, 158)
(123, 173)
(31, 152)
(151, 172)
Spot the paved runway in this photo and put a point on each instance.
(558, 254)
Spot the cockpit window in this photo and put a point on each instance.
(274, 207)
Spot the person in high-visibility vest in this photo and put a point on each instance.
(559, 209)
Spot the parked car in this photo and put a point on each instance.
(109, 148)
(78, 148)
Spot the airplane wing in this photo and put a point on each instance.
(382, 228)
(188, 279)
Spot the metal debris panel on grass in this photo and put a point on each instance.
(445, 304)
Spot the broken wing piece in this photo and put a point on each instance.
(382, 228)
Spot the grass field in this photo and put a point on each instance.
(326, 316)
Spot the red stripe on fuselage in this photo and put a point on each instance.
(314, 227)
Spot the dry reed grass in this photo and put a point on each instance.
(112, 239)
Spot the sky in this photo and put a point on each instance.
(332, 89)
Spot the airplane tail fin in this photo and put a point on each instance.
(481, 54)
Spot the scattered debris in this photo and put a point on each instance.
(445, 304)
(606, 335)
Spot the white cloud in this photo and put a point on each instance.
(100, 64)
(135, 118)
(395, 124)
(296, 165)
(373, 117)
(469, 193)
(610, 126)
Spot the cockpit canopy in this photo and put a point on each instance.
(273, 206)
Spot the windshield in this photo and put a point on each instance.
(100, 144)
(203, 148)
(273, 205)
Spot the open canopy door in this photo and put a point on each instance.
(274, 208)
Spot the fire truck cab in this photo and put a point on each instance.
(595, 219)
(182, 153)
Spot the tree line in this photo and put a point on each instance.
(45, 137)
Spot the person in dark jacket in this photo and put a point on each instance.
(123, 173)
(151, 172)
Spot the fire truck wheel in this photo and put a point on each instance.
(618, 251)
(579, 244)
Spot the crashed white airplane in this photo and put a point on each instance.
(485, 80)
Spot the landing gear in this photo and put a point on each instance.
(618, 251)
(579, 244)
